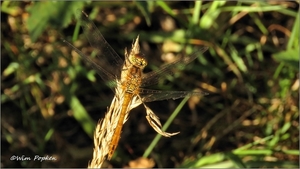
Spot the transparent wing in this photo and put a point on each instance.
(149, 95)
(106, 76)
(108, 59)
(152, 78)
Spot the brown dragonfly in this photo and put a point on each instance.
(128, 75)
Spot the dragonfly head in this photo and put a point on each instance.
(137, 60)
(135, 57)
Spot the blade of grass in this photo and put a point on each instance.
(144, 8)
(76, 32)
(165, 7)
(235, 159)
(196, 14)
(237, 59)
(258, 23)
(205, 160)
(212, 13)
(294, 38)
(81, 115)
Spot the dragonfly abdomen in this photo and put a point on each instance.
(116, 137)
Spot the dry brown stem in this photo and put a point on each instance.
(106, 127)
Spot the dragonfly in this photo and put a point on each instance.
(127, 75)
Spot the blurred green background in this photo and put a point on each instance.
(51, 101)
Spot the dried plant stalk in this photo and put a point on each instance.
(104, 132)
(105, 128)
